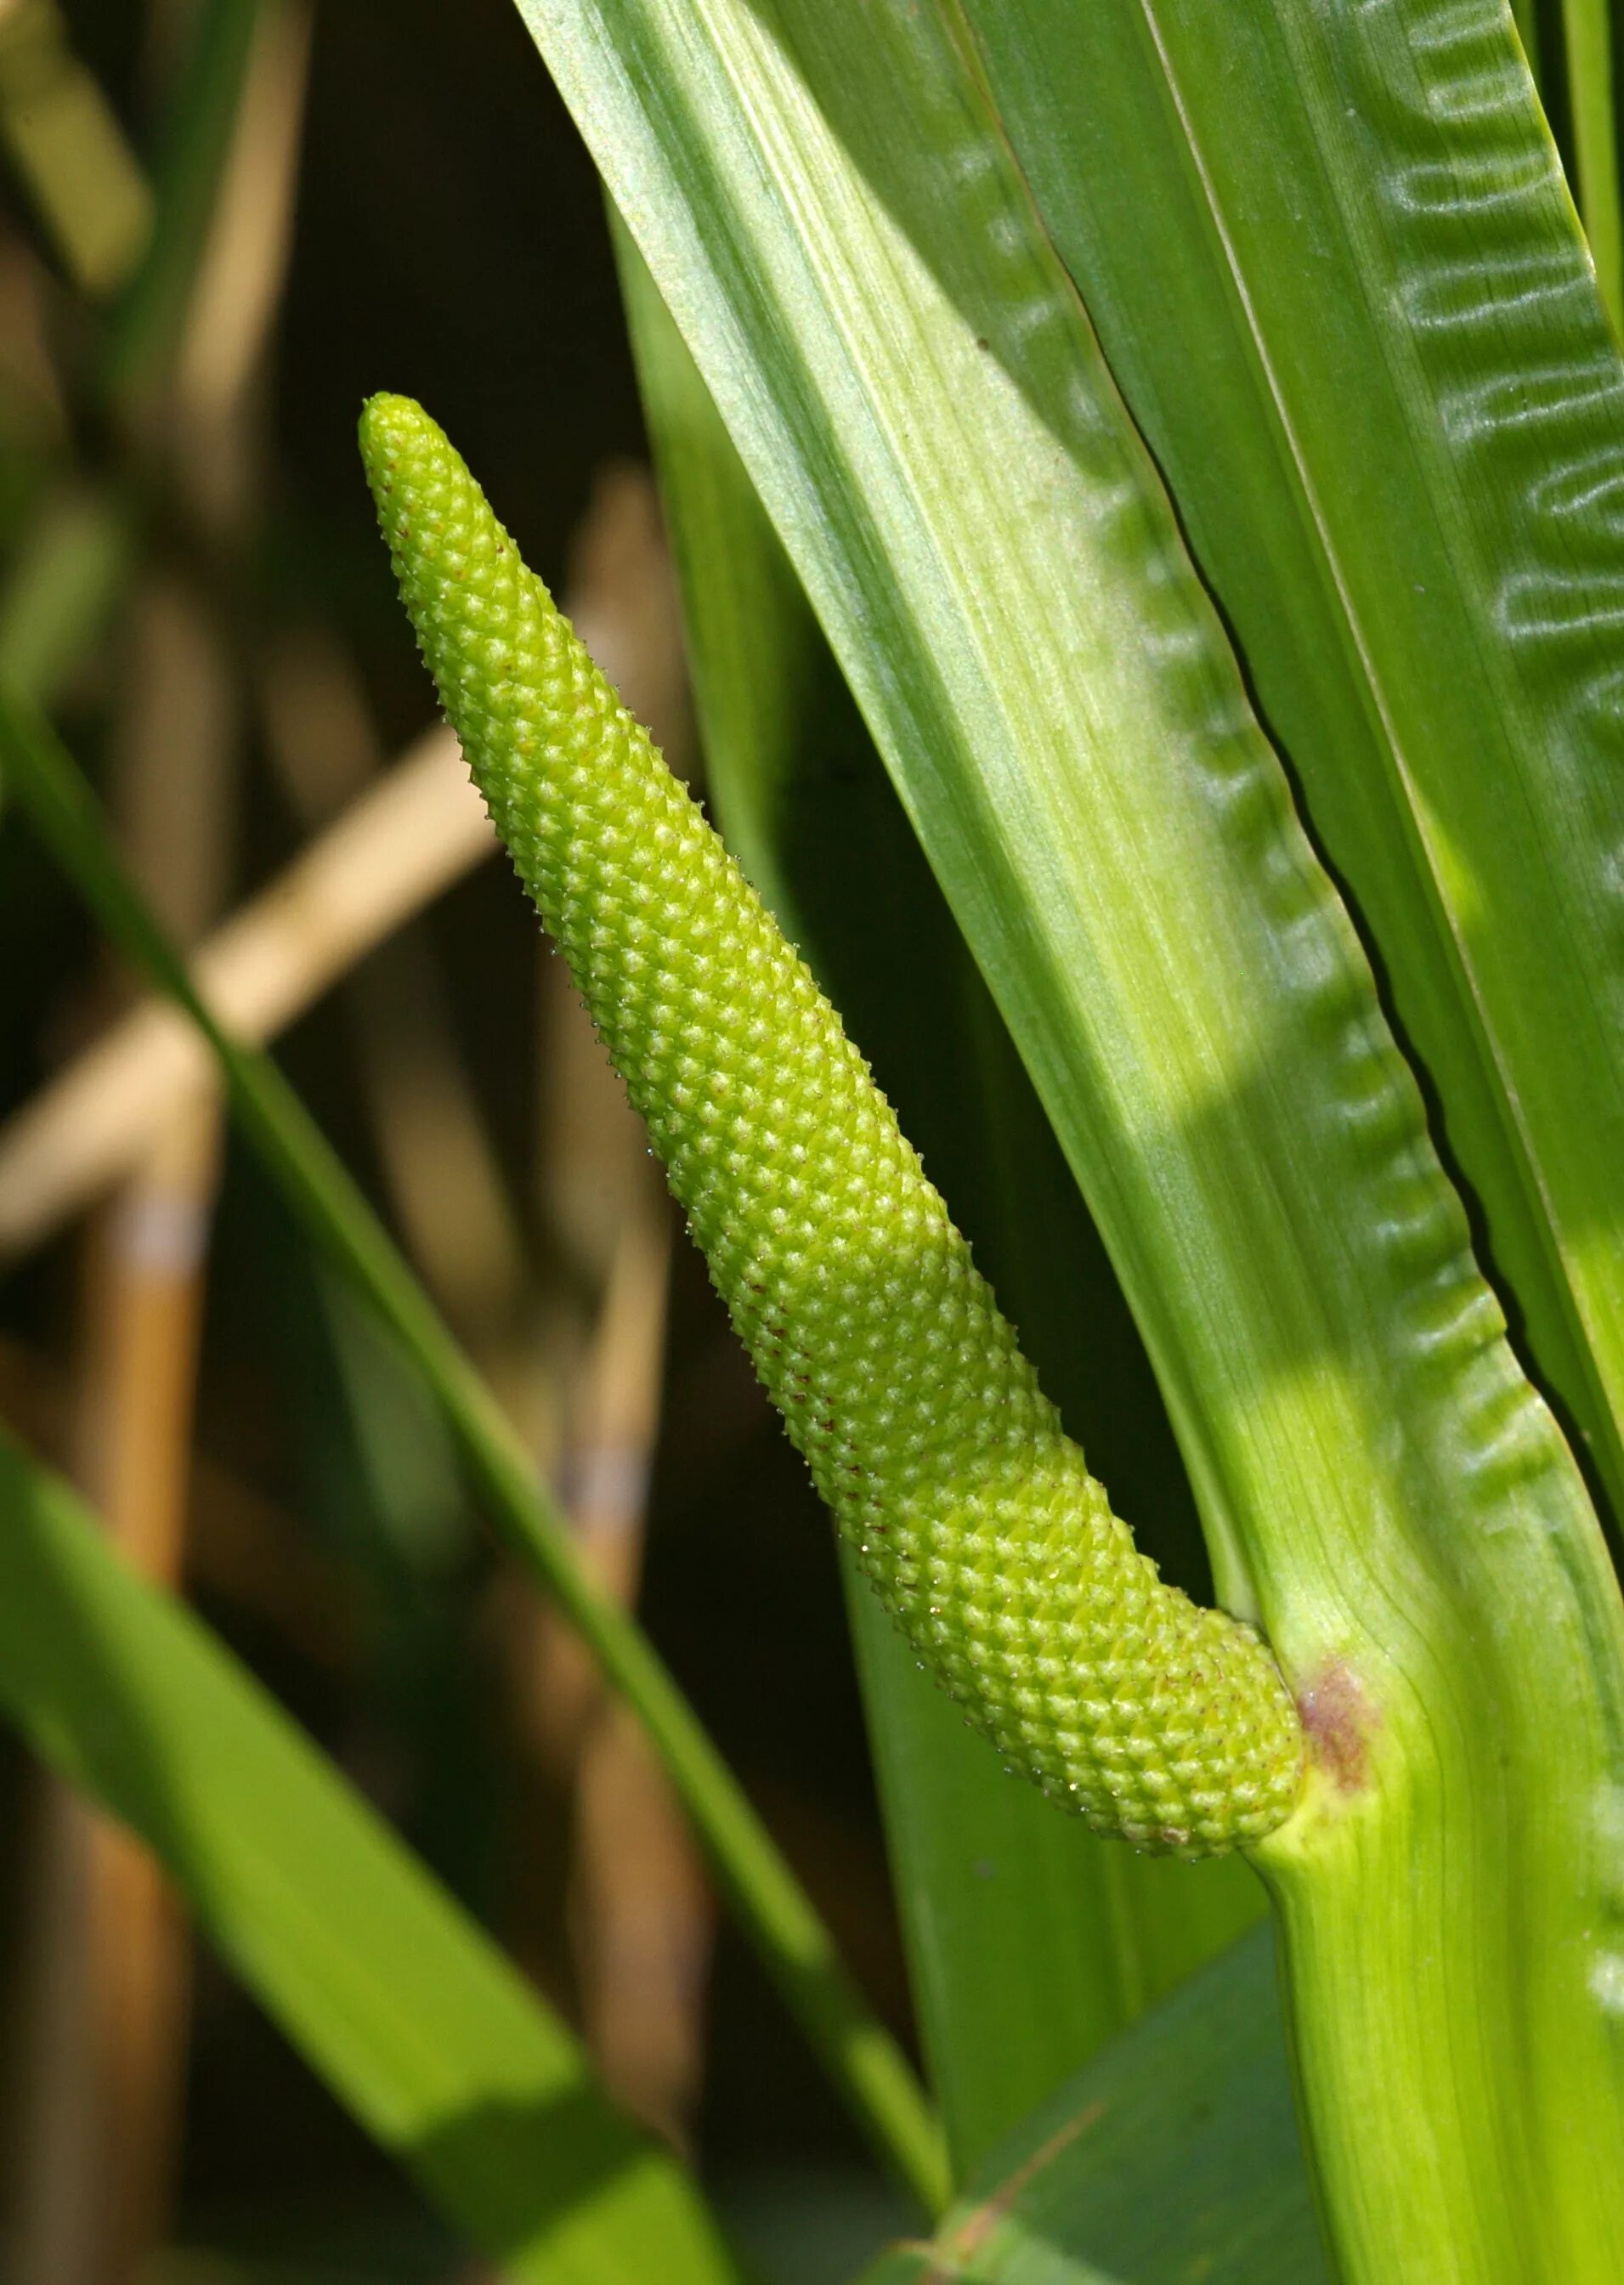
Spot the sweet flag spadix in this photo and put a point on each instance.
(972, 1512)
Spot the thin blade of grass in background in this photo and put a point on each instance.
(1030, 1941)
(1587, 33)
(901, 358)
(69, 571)
(413, 2018)
(865, 2066)
(1171, 2158)
(67, 144)
(151, 312)
(107, 2025)
(73, 566)
(1525, 16)
(1425, 591)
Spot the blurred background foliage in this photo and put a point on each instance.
(358, 197)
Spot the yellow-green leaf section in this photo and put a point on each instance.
(427, 2034)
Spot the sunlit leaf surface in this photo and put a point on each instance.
(410, 2015)
(902, 359)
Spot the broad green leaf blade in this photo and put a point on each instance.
(864, 2063)
(413, 2018)
(1173, 2160)
(834, 221)
(1426, 589)
(1029, 1941)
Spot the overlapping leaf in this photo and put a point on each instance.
(1392, 417)
(833, 216)
(1173, 2158)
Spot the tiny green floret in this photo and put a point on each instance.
(972, 1512)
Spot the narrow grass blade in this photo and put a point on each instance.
(60, 590)
(902, 360)
(147, 322)
(401, 2003)
(67, 144)
(1587, 30)
(1525, 16)
(1030, 1941)
(862, 2060)
(1174, 2158)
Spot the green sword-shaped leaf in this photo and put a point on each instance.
(924, 1427)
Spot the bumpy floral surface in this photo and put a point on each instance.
(925, 1429)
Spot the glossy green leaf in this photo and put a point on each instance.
(414, 2019)
(862, 2059)
(1393, 419)
(1173, 2160)
(1031, 1942)
(835, 221)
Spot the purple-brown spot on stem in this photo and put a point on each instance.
(1338, 1720)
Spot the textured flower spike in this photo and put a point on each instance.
(973, 1513)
